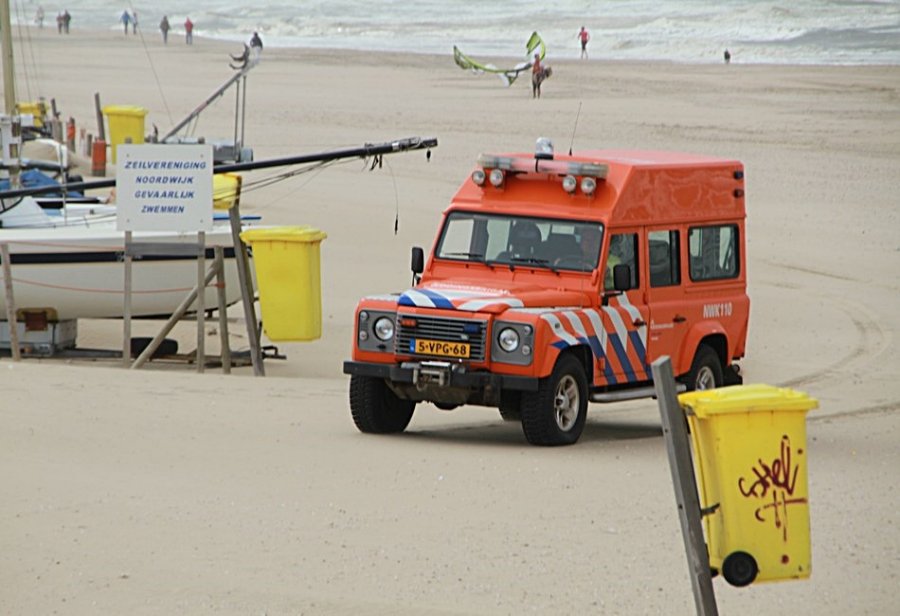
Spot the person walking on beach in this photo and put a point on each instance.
(536, 76)
(164, 28)
(188, 31)
(66, 19)
(39, 17)
(134, 21)
(727, 57)
(584, 37)
(125, 19)
(256, 46)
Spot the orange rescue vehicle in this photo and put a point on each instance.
(554, 281)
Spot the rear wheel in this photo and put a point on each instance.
(706, 370)
(376, 409)
(556, 412)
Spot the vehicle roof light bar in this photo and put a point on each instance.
(531, 165)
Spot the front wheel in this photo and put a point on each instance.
(555, 414)
(376, 409)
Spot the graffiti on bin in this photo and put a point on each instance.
(774, 484)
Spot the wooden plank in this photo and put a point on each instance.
(683, 479)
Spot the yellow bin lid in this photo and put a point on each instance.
(746, 399)
(302, 234)
(132, 110)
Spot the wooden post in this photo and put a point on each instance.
(679, 451)
(101, 131)
(243, 267)
(126, 312)
(176, 316)
(201, 302)
(223, 315)
(10, 303)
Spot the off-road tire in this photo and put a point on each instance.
(376, 409)
(555, 414)
(706, 370)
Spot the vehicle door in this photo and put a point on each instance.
(669, 317)
(625, 314)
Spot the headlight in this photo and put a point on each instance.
(508, 340)
(384, 328)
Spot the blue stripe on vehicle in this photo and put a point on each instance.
(597, 348)
(439, 300)
(635, 338)
(623, 357)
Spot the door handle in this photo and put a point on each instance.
(679, 319)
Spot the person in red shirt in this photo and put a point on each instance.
(188, 31)
(584, 37)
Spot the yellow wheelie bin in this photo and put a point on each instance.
(287, 264)
(126, 125)
(751, 464)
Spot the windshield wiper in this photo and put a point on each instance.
(535, 261)
(471, 255)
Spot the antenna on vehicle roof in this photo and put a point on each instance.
(574, 128)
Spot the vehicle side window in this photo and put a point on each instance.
(665, 263)
(713, 252)
(622, 251)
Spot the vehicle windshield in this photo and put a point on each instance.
(554, 244)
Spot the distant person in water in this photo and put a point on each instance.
(584, 37)
(727, 57)
(188, 31)
(164, 28)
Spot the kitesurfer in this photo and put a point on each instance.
(536, 76)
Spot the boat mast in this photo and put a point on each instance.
(11, 129)
(9, 80)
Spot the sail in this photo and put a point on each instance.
(507, 75)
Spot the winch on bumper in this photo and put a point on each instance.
(442, 381)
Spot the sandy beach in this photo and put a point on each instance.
(162, 491)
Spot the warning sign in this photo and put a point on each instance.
(164, 187)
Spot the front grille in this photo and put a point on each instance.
(443, 329)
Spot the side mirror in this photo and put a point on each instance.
(417, 262)
(621, 277)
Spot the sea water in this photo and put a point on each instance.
(837, 32)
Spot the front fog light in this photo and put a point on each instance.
(384, 328)
(508, 340)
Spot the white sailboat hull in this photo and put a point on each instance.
(79, 272)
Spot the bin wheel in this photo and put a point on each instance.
(739, 569)
(511, 405)
(556, 412)
(706, 370)
(376, 409)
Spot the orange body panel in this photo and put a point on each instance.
(557, 310)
